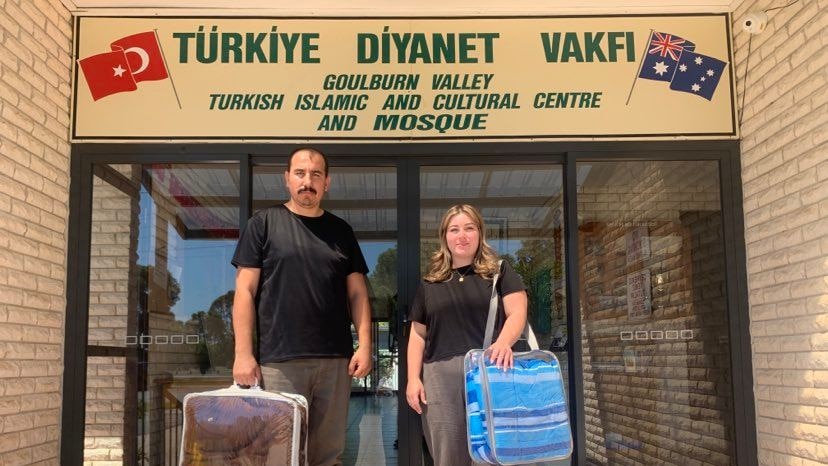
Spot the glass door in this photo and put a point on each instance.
(366, 198)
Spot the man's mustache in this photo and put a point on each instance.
(306, 188)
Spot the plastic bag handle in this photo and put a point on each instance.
(239, 386)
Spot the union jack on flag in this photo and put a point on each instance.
(668, 44)
(663, 56)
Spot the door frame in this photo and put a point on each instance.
(408, 158)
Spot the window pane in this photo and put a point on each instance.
(160, 294)
(657, 379)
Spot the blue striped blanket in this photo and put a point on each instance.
(517, 416)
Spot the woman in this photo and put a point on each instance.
(448, 318)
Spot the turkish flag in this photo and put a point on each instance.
(107, 73)
(144, 54)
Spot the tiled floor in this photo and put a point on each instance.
(372, 430)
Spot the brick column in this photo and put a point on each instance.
(785, 176)
(35, 64)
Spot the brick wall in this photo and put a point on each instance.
(35, 63)
(785, 176)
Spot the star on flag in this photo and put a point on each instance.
(660, 68)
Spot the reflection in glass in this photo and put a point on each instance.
(657, 384)
(161, 288)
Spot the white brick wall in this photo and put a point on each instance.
(35, 58)
(785, 175)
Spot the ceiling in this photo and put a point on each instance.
(393, 8)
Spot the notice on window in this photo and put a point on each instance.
(637, 245)
(639, 297)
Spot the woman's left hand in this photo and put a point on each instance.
(501, 354)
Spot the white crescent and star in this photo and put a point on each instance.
(118, 71)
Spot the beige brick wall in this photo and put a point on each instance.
(35, 63)
(785, 176)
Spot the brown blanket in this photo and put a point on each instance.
(238, 430)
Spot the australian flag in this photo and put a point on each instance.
(663, 54)
(697, 74)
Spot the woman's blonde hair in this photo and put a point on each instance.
(485, 259)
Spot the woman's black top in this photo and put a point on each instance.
(455, 312)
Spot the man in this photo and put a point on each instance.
(301, 281)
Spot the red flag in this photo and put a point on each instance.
(144, 54)
(107, 73)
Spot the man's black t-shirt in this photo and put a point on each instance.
(302, 300)
(455, 312)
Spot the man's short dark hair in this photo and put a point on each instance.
(312, 151)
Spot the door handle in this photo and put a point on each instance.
(406, 324)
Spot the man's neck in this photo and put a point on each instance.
(304, 211)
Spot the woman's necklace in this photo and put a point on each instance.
(463, 275)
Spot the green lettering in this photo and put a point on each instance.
(488, 45)
(231, 43)
(466, 47)
(183, 46)
(443, 48)
(419, 49)
(572, 48)
(253, 47)
(551, 49)
(308, 47)
(367, 48)
(592, 46)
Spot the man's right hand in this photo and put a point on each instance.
(246, 370)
